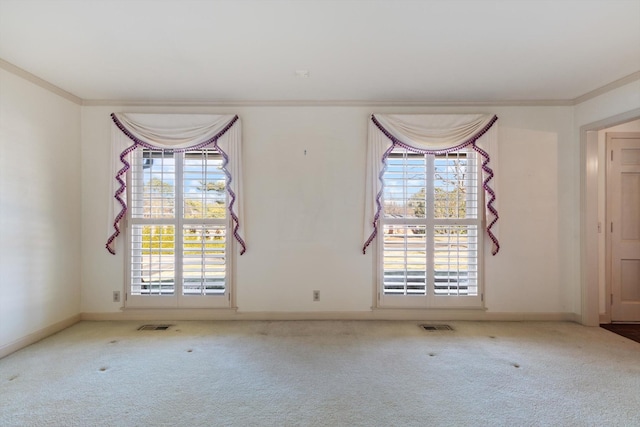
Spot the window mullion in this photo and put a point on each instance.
(405, 243)
(204, 177)
(429, 225)
(179, 222)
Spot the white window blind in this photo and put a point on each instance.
(430, 223)
(178, 232)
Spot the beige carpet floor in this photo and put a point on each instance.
(324, 373)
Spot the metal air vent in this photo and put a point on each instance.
(431, 328)
(154, 327)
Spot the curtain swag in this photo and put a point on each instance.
(429, 134)
(178, 133)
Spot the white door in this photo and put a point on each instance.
(623, 221)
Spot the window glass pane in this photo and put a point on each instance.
(204, 259)
(204, 185)
(405, 262)
(456, 259)
(455, 186)
(152, 261)
(153, 184)
(404, 185)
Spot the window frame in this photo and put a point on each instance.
(430, 300)
(178, 299)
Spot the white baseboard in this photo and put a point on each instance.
(34, 337)
(382, 314)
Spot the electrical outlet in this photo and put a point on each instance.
(316, 295)
(116, 296)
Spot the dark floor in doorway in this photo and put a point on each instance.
(627, 330)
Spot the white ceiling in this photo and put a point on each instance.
(377, 50)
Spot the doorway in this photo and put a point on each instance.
(595, 295)
(622, 226)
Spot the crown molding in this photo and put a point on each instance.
(322, 103)
(7, 66)
(607, 88)
(312, 103)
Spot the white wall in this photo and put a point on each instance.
(304, 213)
(39, 209)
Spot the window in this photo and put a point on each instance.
(431, 224)
(178, 227)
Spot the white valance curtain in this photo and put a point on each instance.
(177, 132)
(429, 134)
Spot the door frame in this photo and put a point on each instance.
(589, 265)
(609, 296)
